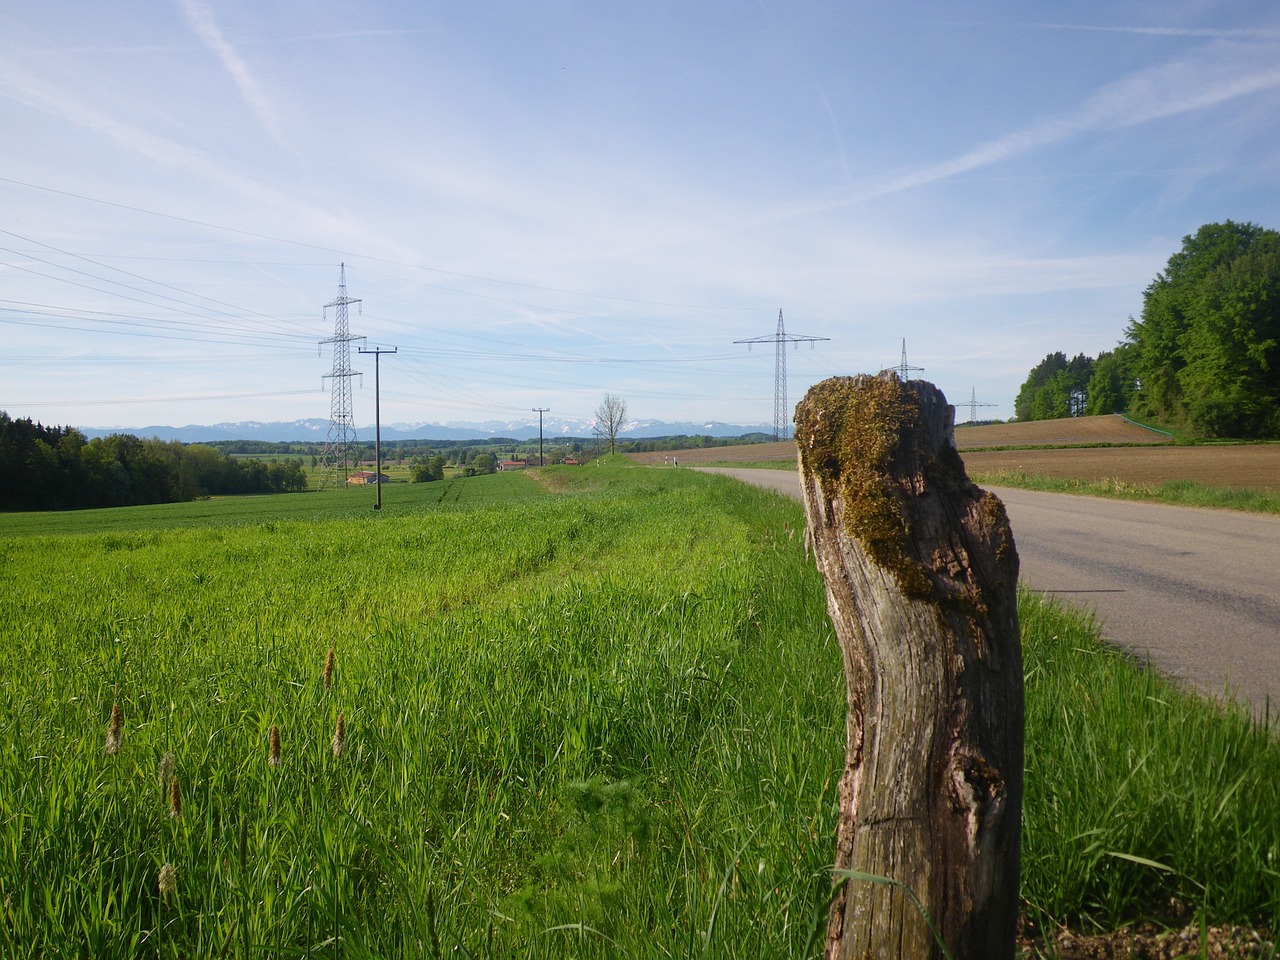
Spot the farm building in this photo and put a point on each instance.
(367, 478)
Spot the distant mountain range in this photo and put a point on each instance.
(316, 430)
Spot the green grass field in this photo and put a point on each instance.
(591, 712)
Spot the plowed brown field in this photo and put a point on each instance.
(1255, 466)
(1056, 433)
(1125, 451)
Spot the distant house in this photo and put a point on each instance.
(511, 465)
(364, 478)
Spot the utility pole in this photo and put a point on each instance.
(339, 444)
(779, 341)
(540, 411)
(377, 418)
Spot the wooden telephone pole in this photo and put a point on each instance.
(921, 573)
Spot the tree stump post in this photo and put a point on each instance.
(921, 574)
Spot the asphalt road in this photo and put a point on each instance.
(1197, 591)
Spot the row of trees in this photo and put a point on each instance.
(1205, 354)
(56, 468)
(1083, 386)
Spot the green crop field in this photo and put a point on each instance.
(591, 712)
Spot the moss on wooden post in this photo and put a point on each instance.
(921, 573)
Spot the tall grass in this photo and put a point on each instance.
(1138, 791)
(556, 741)
(595, 713)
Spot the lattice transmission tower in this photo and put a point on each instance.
(905, 369)
(781, 417)
(973, 405)
(339, 445)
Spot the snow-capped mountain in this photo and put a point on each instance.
(315, 430)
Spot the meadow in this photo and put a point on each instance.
(571, 712)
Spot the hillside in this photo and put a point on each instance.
(1108, 429)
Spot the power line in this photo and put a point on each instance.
(779, 340)
(187, 399)
(386, 260)
(63, 316)
(135, 276)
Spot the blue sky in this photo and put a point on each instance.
(540, 203)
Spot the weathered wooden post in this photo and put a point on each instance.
(921, 574)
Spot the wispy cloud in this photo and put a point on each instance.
(34, 92)
(356, 35)
(1151, 95)
(1243, 33)
(835, 132)
(200, 18)
(1162, 92)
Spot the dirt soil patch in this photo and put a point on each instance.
(1254, 466)
(1111, 428)
(1148, 941)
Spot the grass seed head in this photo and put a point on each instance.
(167, 768)
(273, 756)
(112, 746)
(168, 879)
(340, 735)
(175, 798)
(329, 663)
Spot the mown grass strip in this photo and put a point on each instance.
(1185, 493)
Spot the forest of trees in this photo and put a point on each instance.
(1080, 387)
(56, 468)
(1205, 354)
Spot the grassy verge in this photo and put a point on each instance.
(1140, 796)
(584, 712)
(1179, 492)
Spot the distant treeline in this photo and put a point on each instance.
(1205, 354)
(57, 468)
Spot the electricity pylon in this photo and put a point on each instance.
(905, 369)
(779, 340)
(339, 444)
(974, 405)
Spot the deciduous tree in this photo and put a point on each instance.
(1206, 352)
(610, 416)
(1055, 388)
